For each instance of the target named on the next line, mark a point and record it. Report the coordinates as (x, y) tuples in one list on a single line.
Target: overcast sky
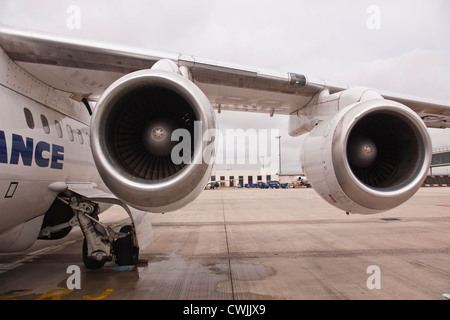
[(397, 46)]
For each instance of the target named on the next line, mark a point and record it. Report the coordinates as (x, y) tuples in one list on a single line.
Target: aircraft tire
[(126, 253)]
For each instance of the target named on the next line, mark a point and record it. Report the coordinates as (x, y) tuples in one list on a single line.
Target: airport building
[(438, 175), (440, 163), (236, 177)]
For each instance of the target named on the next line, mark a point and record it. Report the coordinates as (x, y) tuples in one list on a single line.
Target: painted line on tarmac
[(37, 254)]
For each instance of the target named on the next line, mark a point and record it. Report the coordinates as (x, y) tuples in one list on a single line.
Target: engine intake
[(371, 157), (131, 133)]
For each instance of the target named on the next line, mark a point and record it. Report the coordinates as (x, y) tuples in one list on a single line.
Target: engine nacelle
[(371, 157), (131, 134)]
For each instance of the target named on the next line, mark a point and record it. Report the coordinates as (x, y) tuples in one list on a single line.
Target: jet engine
[(371, 157), (147, 139)]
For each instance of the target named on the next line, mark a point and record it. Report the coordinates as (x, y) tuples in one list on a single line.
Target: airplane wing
[(367, 151), (86, 69)]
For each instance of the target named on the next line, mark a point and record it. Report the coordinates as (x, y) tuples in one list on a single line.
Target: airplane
[(87, 125)]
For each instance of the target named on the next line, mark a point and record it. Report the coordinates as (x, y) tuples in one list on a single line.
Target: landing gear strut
[(102, 243)]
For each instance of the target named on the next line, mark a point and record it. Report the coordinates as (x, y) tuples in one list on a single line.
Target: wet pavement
[(240, 244)]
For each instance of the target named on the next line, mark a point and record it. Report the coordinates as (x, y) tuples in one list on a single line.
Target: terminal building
[(240, 177), (439, 173), (440, 163)]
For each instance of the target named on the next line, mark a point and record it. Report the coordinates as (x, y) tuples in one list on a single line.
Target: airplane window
[(58, 129), (45, 125), (69, 132), (80, 137), (29, 118)]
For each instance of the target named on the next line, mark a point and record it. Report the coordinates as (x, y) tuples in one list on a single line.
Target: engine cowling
[(131, 134), (371, 157)]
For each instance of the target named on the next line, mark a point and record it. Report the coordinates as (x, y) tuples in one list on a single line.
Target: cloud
[(419, 72)]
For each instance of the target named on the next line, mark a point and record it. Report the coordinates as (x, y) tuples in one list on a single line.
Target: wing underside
[(85, 69)]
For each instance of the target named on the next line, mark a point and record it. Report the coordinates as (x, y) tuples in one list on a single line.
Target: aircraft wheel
[(126, 252)]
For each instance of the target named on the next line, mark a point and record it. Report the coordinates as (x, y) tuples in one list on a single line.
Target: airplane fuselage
[(44, 138)]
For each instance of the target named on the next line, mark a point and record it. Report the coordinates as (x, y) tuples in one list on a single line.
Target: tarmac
[(253, 244)]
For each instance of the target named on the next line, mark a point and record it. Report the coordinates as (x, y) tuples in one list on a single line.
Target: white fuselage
[(44, 138)]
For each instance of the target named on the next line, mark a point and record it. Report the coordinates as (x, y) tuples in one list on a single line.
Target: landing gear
[(102, 243), (123, 249), (90, 263)]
